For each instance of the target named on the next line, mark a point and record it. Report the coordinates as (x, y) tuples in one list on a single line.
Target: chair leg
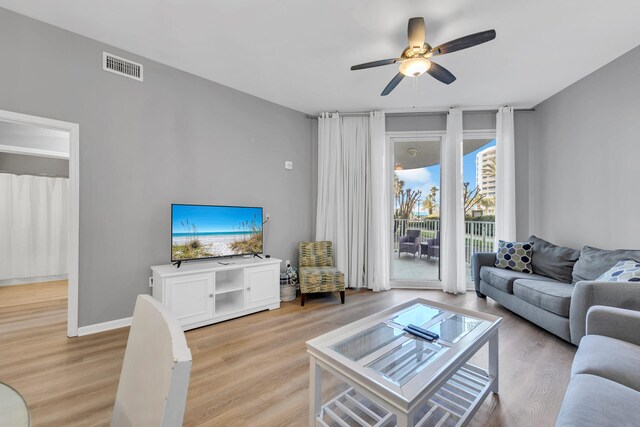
[(301, 299), (342, 297)]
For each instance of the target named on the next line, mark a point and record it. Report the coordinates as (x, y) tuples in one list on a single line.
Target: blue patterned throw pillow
[(514, 256), (624, 271)]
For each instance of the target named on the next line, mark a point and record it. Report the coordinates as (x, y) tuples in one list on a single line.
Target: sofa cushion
[(503, 279), (624, 271), (595, 401), (553, 261), (514, 256), (609, 358), (595, 262), (548, 295)]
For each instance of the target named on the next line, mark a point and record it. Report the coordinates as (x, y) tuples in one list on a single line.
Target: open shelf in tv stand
[(206, 292)]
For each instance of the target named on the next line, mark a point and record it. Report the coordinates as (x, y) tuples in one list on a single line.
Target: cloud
[(414, 175), (418, 179)]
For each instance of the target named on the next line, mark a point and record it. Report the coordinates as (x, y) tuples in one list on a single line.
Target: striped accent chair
[(317, 273)]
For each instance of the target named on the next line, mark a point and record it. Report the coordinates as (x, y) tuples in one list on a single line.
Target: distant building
[(486, 181)]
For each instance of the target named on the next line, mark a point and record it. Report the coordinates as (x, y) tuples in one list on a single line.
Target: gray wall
[(480, 120), (583, 168), (172, 138), (20, 164), (523, 123)]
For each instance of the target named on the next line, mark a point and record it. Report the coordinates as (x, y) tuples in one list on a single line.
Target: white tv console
[(206, 292)]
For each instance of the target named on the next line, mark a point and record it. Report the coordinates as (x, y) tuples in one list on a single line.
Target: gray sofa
[(561, 289), (605, 379)]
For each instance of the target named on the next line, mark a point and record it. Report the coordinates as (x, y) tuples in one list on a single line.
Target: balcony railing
[(478, 234)]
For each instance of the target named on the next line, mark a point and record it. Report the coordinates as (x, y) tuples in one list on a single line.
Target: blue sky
[(425, 178), (214, 218)]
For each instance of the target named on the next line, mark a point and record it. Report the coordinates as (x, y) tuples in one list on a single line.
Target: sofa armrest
[(480, 259), (586, 294), (614, 322)]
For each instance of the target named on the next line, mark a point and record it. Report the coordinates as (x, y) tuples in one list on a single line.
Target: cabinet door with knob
[(190, 298), (262, 285)]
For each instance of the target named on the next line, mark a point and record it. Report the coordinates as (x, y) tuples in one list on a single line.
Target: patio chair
[(317, 273), (433, 247), (409, 243)]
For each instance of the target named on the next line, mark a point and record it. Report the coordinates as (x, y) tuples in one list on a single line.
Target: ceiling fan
[(416, 58)]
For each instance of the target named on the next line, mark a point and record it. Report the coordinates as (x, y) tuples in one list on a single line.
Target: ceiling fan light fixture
[(415, 67)]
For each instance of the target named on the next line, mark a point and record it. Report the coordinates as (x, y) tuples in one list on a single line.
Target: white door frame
[(74, 200), (393, 137)]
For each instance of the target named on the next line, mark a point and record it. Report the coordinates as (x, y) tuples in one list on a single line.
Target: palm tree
[(430, 202)]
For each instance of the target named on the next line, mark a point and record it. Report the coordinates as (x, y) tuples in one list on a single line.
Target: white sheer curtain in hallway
[(33, 226), (351, 190)]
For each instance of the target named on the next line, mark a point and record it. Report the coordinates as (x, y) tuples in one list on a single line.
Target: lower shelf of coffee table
[(452, 405)]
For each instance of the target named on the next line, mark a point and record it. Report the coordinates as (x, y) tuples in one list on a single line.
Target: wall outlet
[(288, 165), (151, 282), (287, 263), (267, 216)]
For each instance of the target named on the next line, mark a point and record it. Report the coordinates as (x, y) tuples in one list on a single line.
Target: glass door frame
[(395, 136), (476, 134), (392, 138)]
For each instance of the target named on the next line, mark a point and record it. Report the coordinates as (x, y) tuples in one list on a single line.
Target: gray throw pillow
[(594, 262), (553, 261)]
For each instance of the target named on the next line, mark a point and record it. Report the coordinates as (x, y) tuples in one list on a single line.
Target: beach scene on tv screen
[(215, 231)]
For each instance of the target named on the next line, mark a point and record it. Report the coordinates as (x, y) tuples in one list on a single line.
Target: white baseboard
[(30, 280), (105, 326)]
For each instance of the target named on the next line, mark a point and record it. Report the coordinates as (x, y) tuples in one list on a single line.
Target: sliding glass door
[(479, 177), (415, 258), (416, 205)]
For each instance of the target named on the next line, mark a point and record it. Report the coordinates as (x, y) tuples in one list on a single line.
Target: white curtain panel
[(452, 233), (34, 224), (505, 176), (345, 151), (329, 224), (378, 207), (355, 153)]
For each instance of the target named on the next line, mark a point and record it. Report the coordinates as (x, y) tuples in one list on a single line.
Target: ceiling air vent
[(121, 66)]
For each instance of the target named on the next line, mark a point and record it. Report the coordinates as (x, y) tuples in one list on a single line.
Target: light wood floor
[(253, 371)]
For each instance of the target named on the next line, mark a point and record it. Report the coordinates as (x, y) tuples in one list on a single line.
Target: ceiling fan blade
[(440, 73), (392, 84), (464, 42), (374, 64), (416, 32)]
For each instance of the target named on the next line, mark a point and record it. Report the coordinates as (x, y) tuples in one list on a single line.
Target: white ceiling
[(297, 53)]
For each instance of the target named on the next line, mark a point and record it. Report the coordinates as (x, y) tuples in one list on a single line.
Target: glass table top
[(404, 355)]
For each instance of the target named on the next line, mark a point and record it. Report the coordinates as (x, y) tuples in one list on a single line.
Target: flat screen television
[(207, 231)]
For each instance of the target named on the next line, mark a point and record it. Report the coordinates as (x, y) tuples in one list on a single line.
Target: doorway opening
[(39, 212)]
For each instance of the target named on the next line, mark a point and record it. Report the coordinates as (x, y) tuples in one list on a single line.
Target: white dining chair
[(152, 391)]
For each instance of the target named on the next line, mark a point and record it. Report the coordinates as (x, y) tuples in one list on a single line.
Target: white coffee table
[(395, 378)]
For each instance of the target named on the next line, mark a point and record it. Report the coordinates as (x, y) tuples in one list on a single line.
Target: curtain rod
[(417, 113)]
